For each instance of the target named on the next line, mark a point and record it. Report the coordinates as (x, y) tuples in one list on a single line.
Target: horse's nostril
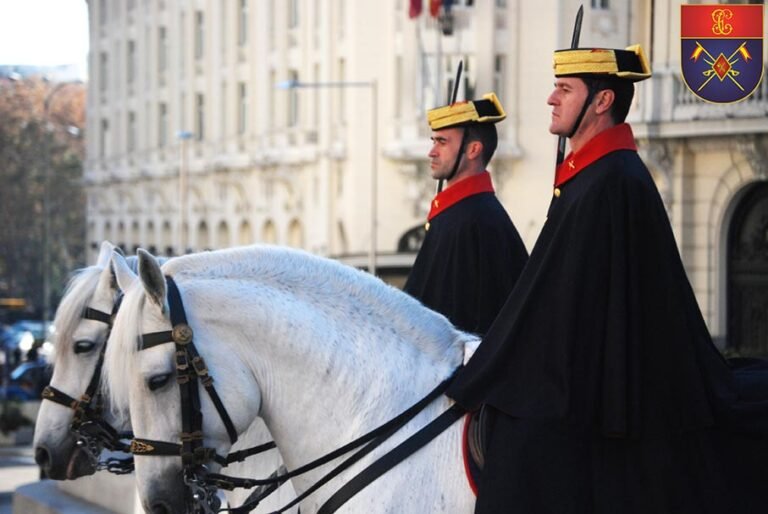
[(42, 457), (160, 508)]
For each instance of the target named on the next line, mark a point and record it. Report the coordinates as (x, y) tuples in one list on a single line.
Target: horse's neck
[(336, 371)]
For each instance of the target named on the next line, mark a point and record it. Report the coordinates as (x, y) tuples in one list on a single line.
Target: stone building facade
[(214, 123)]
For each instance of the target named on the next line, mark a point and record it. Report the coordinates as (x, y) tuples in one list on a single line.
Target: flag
[(434, 7), (415, 9)]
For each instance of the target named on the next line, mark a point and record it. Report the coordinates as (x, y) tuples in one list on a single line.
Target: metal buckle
[(199, 364), (182, 362)]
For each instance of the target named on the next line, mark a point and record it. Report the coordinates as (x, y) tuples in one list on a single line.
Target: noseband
[(92, 431)]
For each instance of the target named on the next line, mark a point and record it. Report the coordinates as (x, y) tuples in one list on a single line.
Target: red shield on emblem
[(722, 50)]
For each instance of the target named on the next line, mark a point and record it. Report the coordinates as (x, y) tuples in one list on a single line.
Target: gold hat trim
[(461, 113), (599, 61)]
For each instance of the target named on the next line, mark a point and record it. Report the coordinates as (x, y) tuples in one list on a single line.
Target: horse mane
[(78, 292), (302, 273), (320, 280)]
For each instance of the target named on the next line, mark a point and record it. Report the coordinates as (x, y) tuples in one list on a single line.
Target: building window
[(162, 125), (199, 34), (183, 111), (340, 93), (103, 71), (182, 37), (271, 105), (223, 111), (498, 74), (342, 14), (103, 12), (293, 100), (224, 31), (397, 100), (104, 139), (293, 14), (601, 4), (162, 49), (242, 23), (242, 108), (130, 61), (199, 116), (131, 131), (271, 27)]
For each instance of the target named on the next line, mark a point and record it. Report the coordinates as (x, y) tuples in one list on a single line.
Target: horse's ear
[(105, 253), (151, 277), (121, 272)]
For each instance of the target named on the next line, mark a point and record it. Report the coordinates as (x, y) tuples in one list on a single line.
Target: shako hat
[(629, 64), (486, 110)]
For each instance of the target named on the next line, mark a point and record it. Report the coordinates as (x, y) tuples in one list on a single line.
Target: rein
[(87, 423), (190, 367)]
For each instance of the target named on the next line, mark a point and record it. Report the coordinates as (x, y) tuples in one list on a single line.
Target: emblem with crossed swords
[(721, 66)]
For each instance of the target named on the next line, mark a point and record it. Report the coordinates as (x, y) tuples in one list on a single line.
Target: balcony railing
[(666, 98)]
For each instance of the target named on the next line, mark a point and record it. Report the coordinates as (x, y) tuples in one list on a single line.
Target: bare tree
[(42, 200)]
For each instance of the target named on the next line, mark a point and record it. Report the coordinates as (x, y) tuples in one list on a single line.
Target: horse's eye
[(84, 346), (158, 381)]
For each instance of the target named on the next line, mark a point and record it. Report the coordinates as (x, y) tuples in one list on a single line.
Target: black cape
[(600, 368), (468, 263)]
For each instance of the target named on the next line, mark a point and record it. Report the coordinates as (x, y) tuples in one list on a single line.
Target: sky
[(44, 32)]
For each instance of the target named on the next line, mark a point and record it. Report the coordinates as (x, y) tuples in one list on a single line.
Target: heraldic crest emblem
[(722, 50)]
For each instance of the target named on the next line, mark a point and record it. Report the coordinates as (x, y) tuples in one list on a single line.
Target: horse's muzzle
[(69, 464)]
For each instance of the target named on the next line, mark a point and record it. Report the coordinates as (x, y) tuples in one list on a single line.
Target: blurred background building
[(214, 123)]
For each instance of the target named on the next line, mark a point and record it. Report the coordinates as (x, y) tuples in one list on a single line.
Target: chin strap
[(459, 155), (590, 96)]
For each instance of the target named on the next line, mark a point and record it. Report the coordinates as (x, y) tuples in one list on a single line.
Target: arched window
[(245, 235), (295, 234)]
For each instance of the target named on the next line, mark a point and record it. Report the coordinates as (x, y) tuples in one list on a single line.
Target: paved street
[(17, 467)]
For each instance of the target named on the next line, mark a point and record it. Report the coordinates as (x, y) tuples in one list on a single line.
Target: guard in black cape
[(607, 393), (472, 254)]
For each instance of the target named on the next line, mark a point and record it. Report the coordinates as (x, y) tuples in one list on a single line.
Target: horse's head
[(82, 321), (144, 375)]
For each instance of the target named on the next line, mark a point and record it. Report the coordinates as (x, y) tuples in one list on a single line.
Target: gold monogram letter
[(719, 16)]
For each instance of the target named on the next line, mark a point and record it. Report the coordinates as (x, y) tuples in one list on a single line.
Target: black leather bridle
[(202, 485), (191, 369), (92, 431)]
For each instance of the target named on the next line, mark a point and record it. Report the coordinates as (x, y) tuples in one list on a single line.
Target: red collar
[(619, 137), (473, 185)]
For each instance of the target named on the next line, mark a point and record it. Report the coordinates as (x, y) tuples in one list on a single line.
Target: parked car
[(27, 381), (23, 336)]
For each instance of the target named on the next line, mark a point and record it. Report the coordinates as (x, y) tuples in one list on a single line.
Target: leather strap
[(392, 458)]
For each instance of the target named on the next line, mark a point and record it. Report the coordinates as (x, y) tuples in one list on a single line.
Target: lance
[(451, 102), (574, 44)]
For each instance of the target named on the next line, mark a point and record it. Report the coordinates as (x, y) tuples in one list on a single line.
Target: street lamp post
[(373, 86), (49, 130)]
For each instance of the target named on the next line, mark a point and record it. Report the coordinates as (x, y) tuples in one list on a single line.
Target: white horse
[(78, 343), (322, 352)]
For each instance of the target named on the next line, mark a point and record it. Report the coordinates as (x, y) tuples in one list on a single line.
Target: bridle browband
[(191, 367), (88, 425)]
